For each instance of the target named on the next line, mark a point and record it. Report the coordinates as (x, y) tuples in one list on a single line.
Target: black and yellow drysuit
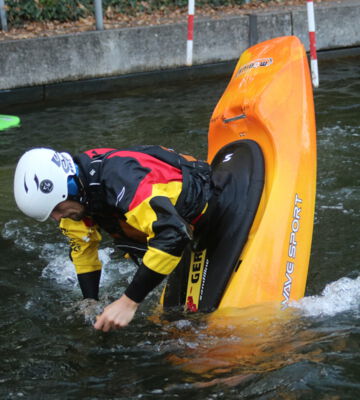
[(148, 199)]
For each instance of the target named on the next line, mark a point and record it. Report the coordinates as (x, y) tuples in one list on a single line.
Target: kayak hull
[(268, 103), (271, 87)]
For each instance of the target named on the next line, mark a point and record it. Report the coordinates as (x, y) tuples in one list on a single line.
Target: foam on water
[(62, 270), (58, 266), (25, 237), (340, 296), (327, 133)]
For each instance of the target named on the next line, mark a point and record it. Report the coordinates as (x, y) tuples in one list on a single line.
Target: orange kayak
[(262, 131)]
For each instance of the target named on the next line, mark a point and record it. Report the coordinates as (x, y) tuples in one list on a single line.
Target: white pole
[(312, 39), (99, 15), (3, 16), (190, 32)]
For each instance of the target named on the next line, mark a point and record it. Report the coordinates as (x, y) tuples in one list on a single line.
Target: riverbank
[(49, 67), (162, 16)]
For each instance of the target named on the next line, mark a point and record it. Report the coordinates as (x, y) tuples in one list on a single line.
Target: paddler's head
[(45, 185)]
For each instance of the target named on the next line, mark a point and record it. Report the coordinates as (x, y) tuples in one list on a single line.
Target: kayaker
[(148, 198)]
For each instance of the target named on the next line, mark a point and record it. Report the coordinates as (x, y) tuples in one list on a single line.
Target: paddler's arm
[(89, 284), (121, 312), (84, 238), (168, 235)]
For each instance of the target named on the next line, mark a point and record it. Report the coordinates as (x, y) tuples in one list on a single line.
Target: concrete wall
[(43, 61), (337, 25)]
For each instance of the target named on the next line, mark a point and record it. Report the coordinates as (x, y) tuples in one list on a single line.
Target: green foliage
[(128, 6), (46, 10), (19, 11)]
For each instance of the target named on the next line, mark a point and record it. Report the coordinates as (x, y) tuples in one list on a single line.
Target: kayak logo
[(290, 264), (195, 280), (228, 157), (196, 267), (260, 62)]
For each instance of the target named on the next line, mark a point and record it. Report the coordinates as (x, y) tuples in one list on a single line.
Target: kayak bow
[(271, 89), (263, 133)]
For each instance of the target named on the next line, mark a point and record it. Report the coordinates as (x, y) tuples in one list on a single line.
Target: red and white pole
[(312, 39), (190, 32)]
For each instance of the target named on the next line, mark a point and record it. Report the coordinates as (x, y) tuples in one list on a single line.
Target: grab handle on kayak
[(241, 116)]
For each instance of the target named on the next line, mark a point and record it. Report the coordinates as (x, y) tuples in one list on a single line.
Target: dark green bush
[(46, 10), (19, 11), (126, 6)]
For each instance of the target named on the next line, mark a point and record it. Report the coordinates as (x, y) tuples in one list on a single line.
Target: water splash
[(53, 250), (62, 270), (25, 237), (340, 296)]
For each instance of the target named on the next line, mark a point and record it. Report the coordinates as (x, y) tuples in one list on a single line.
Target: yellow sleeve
[(84, 243), (166, 231)]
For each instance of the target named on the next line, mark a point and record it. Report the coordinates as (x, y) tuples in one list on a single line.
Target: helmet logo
[(62, 161), (46, 186)]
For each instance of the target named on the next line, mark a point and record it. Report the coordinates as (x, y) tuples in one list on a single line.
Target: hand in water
[(116, 315), (89, 308)]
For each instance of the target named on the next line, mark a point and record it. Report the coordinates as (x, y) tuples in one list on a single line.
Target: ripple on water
[(47, 350)]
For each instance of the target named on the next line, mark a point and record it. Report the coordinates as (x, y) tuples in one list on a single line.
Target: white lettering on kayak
[(290, 264)]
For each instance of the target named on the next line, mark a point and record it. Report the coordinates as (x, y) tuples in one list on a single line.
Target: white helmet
[(40, 181)]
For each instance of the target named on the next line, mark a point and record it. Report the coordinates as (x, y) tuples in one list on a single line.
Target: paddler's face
[(68, 209)]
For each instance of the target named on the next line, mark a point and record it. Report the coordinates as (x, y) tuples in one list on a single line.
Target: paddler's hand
[(117, 314)]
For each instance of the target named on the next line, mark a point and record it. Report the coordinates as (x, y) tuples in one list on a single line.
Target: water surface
[(49, 349)]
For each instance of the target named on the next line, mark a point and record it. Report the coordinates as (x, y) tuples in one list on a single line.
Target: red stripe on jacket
[(96, 152), (160, 172)]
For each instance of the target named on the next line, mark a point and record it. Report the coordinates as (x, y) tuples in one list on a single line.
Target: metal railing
[(3, 19), (99, 15)]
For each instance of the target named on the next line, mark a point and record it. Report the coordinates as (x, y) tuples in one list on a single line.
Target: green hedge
[(46, 10), (19, 11)]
